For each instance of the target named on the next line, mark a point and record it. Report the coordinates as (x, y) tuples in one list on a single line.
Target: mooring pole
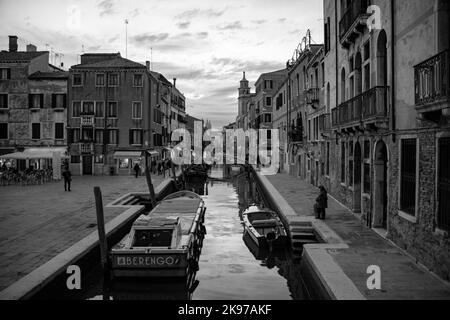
[(150, 186), (101, 228)]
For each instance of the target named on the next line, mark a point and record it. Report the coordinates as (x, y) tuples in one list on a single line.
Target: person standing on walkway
[(136, 169), (322, 203), (67, 175)]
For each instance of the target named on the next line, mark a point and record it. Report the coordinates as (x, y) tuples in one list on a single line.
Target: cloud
[(106, 7), (134, 13), (231, 26), (183, 25), (254, 66), (190, 14), (147, 37), (112, 39), (282, 20), (259, 21)]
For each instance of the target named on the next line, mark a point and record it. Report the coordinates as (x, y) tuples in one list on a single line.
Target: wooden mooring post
[(101, 229), (151, 189)]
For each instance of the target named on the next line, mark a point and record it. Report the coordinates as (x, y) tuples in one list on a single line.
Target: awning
[(153, 153), (37, 153), (127, 154)]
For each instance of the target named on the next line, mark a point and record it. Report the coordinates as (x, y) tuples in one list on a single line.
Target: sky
[(205, 44)]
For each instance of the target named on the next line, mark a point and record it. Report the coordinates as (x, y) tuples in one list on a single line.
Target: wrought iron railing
[(312, 95), (296, 134), (354, 10), (432, 79), (370, 104)]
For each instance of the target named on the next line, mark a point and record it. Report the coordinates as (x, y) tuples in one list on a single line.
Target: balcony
[(312, 96), (86, 147), (296, 134), (368, 109), (432, 83), (353, 22), (324, 123), (87, 121)]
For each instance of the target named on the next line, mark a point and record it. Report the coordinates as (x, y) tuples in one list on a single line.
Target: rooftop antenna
[(126, 38)]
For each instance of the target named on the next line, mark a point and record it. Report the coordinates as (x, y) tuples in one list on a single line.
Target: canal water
[(230, 267)]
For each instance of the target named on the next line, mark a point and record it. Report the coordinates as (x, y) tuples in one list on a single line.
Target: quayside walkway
[(401, 277)]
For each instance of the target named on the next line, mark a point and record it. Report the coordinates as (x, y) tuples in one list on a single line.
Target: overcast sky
[(205, 44)]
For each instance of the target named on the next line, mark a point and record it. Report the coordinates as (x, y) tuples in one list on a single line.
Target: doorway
[(380, 191), (357, 191), (87, 165)]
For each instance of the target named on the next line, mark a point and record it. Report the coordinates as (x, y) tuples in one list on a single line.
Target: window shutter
[(142, 136), (117, 137), (30, 101), (8, 76), (53, 100), (65, 101), (42, 100)]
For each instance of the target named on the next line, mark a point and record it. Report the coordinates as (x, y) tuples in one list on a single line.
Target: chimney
[(175, 82), (13, 44), (31, 48), (147, 64)]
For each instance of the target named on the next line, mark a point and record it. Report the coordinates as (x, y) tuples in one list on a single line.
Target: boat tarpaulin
[(37, 153), (127, 154), (153, 153)]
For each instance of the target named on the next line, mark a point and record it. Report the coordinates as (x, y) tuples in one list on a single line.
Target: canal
[(231, 267)]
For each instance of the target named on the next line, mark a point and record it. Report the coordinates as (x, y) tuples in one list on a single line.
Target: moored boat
[(264, 227), (165, 243)]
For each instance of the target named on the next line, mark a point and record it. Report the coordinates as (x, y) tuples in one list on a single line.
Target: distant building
[(33, 106)]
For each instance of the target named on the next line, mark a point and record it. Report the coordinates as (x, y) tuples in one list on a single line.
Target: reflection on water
[(232, 267)]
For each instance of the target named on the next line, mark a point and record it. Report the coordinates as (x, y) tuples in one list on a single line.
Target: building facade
[(33, 109), (111, 115)]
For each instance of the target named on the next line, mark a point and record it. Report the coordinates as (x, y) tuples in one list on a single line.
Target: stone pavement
[(401, 277), (39, 222)]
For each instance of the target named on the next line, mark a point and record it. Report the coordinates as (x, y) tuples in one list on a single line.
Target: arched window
[(343, 85)]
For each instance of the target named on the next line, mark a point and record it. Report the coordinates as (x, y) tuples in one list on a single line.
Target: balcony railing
[(87, 121), (432, 79), (352, 13), (312, 95), (86, 147), (372, 104)]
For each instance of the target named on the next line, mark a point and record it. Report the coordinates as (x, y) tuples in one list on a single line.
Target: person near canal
[(136, 169), (322, 203), (67, 175)]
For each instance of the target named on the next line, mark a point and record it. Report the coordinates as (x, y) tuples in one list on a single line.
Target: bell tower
[(244, 89)]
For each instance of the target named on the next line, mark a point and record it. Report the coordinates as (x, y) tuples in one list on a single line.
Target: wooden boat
[(264, 227), (165, 243)]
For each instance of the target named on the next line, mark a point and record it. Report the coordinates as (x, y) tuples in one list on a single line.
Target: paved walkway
[(39, 222), (401, 277)]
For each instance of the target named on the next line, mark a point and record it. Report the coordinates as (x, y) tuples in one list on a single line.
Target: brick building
[(33, 110)]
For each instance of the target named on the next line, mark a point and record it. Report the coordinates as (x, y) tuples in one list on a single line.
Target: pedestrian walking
[(67, 175), (321, 203), (136, 169)]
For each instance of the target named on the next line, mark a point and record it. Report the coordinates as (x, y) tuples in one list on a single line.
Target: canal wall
[(324, 279), (51, 276)]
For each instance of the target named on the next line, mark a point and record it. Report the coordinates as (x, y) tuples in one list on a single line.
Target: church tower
[(244, 89)]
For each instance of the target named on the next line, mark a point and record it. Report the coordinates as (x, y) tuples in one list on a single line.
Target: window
[(75, 159), (367, 150), (367, 77), (267, 118), (59, 101), (35, 131), (36, 101), (268, 101), (137, 110), (408, 176), (367, 51), (99, 136), (136, 137), (98, 159), (327, 36), (113, 80), (59, 131), (137, 80), (366, 188), (77, 80), (87, 134), (76, 109), (157, 115), (4, 131), (443, 192), (343, 162), (100, 80), (328, 159), (113, 136), (5, 73), (75, 136), (112, 110), (88, 108), (3, 101), (99, 109)]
